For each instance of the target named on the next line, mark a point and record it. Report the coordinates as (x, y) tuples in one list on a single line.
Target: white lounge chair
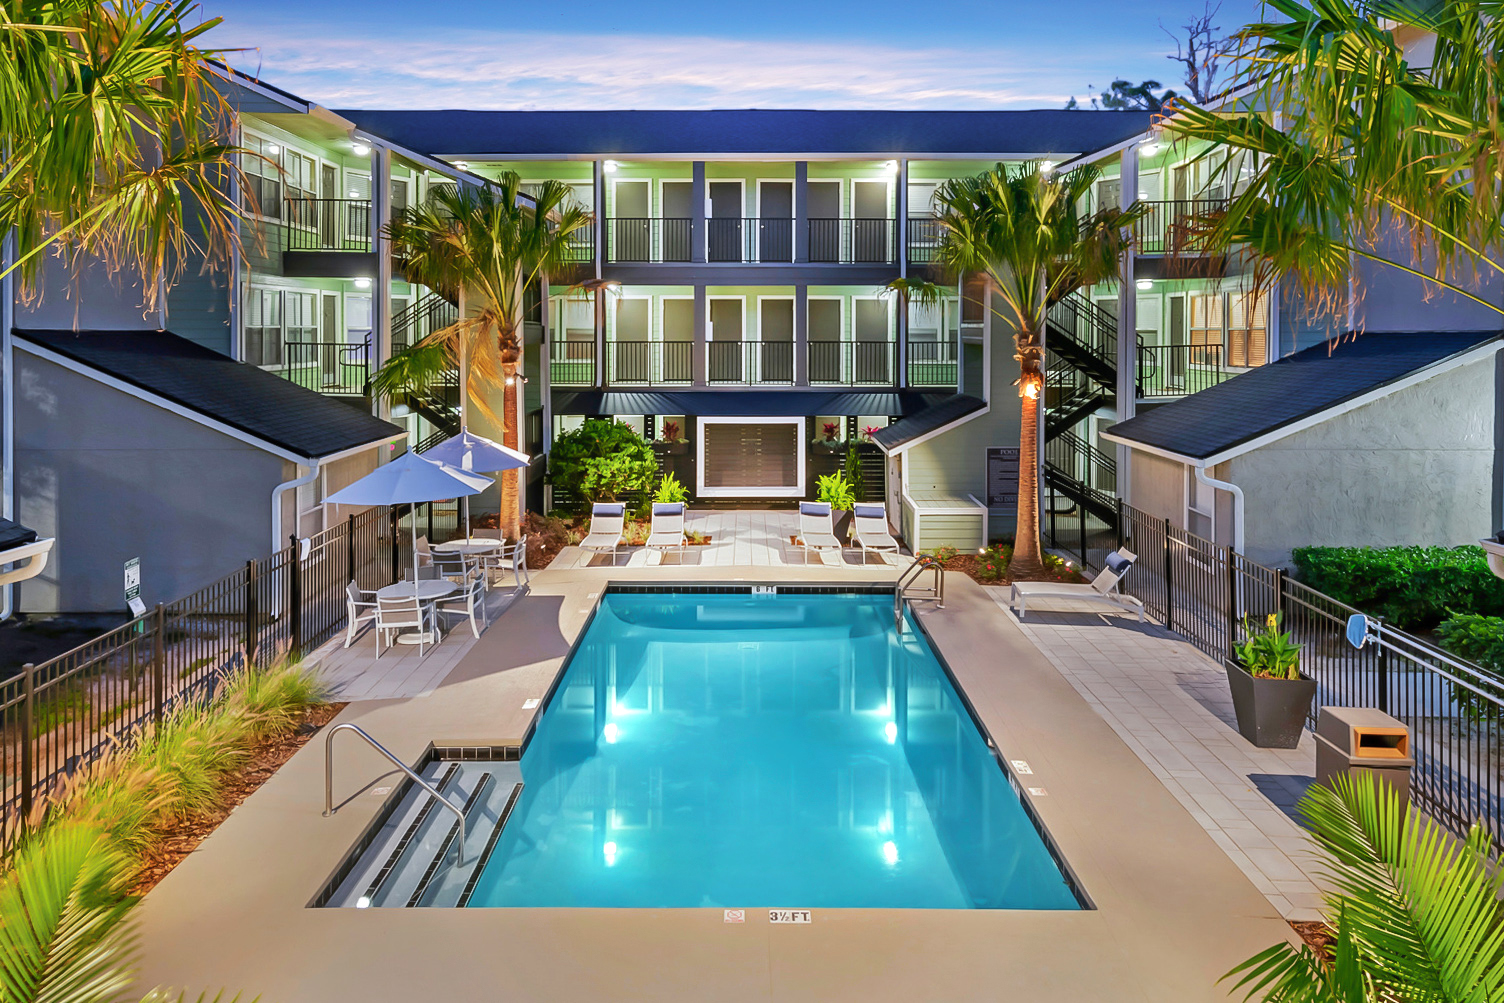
[(356, 599), (393, 616), (667, 531), (1101, 589), (870, 530), (468, 604), (607, 521), (817, 528)]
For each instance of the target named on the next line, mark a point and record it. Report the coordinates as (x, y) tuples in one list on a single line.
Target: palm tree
[(1024, 233), (114, 137), (1416, 916), (1372, 156), (483, 248)]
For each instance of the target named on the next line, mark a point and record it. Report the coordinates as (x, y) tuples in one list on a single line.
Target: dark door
[(825, 341), (677, 219), (631, 237), (871, 230), (775, 222), (329, 188), (725, 222), (678, 340), (724, 350), (824, 221), (775, 340)]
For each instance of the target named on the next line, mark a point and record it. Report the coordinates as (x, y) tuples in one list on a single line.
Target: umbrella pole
[(415, 548)]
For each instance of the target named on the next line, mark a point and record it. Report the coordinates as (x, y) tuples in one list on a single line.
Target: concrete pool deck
[(1172, 914)]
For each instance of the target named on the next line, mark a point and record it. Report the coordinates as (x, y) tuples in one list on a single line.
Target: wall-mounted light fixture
[(463, 165), (362, 282), (1145, 285), (1046, 166), (360, 149), (610, 166)]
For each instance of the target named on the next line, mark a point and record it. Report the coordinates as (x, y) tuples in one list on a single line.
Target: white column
[(902, 202), (381, 282), (1127, 388)]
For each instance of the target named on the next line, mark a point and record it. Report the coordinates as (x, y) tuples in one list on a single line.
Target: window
[(262, 164), (1206, 329), (1247, 334), (1200, 506), (301, 321), (263, 327)]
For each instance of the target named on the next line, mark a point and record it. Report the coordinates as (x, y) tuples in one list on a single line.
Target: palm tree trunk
[(1028, 558), (511, 520)]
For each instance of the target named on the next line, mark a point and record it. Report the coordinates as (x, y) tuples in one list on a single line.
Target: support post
[(1383, 667), (1169, 583), (1232, 600), (350, 548), (697, 213), (28, 736), (1081, 514), (801, 211), (396, 551), (1120, 534), (250, 611), (1127, 360), (295, 599), (159, 664)]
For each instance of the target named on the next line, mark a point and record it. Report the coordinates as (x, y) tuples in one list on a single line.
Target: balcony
[(1178, 370), (327, 238), (749, 362), (571, 363), (640, 239), (932, 363), (1163, 228), (852, 363), (924, 239), (650, 362), (330, 367), (853, 241), (750, 241)]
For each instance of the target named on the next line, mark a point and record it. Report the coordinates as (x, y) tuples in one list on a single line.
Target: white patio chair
[(450, 565), (607, 522), (396, 615), (425, 558), (667, 531), (506, 557), (870, 524), (355, 601), (468, 604), (817, 529), (1101, 589)]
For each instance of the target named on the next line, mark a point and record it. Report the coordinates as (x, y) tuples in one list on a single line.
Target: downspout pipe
[(313, 471), (7, 406), (1202, 477)]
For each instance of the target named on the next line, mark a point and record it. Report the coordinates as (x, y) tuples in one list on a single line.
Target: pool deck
[(1173, 912)]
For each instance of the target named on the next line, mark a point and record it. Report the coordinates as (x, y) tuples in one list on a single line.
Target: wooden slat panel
[(751, 456)]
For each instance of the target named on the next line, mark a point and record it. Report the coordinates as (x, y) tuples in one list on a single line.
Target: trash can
[(1356, 740)]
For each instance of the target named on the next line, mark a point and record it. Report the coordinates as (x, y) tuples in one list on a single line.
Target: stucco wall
[(114, 477), (1415, 467), (1158, 487)]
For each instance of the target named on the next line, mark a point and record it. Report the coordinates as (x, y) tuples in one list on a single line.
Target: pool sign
[(133, 587), (1002, 476), (789, 916)]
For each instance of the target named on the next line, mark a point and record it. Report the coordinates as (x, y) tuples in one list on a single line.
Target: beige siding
[(1158, 487), (964, 532)]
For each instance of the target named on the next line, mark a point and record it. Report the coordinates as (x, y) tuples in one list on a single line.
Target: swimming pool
[(739, 750)]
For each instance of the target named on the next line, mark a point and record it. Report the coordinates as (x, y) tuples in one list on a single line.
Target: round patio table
[(427, 590), (470, 546)]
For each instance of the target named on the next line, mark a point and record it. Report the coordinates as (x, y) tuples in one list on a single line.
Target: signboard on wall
[(1002, 476), (133, 587)]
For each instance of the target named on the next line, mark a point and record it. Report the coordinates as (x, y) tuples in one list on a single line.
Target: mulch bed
[(971, 565), (1318, 936), (183, 838)]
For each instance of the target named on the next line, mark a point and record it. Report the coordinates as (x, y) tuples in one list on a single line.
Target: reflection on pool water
[(743, 751)]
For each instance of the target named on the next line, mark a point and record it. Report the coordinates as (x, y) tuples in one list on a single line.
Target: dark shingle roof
[(753, 403), (942, 413), (256, 402), (751, 131), (1298, 386)]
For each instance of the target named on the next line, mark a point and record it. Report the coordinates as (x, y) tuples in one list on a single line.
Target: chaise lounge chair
[(817, 528), (1101, 589), (607, 521), (871, 530), (667, 531)]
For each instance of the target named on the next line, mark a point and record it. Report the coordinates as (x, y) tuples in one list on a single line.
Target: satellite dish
[(1357, 630)]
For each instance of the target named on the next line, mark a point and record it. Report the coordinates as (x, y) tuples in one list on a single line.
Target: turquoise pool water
[(749, 751)]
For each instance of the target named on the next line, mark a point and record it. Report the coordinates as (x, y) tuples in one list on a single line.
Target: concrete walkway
[(1170, 704)]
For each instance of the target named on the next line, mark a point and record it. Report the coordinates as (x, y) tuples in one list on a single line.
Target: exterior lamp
[(1145, 285), (463, 165), (1046, 166), (1149, 149), (361, 150), (1029, 385), (362, 283), (890, 167), (610, 167)]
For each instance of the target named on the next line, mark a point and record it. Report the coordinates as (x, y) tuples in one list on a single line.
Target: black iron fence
[(634, 239), (328, 224), (328, 367), (852, 363), (749, 240), (571, 363), (932, 363), (853, 241), (1177, 370), (650, 361), (60, 715), (1209, 593), (924, 239), (1168, 227), (749, 361)]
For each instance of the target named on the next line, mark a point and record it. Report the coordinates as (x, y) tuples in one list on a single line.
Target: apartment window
[(262, 165), (1200, 506), (301, 320), (1247, 332), (263, 327), (1206, 329), (301, 173)]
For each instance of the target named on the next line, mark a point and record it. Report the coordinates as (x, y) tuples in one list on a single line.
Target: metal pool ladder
[(424, 784), (906, 587)]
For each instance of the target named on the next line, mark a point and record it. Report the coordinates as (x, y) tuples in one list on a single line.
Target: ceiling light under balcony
[(360, 150), (1145, 285), (890, 167), (463, 165), (1046, 166), (1149, 149), (362, 283), (610, 166)]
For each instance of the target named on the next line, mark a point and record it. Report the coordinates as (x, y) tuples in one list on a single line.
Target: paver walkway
[(738, 538), (1171, 705)]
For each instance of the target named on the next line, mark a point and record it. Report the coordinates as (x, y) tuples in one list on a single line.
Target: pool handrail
[(424, 784), (922, 563)]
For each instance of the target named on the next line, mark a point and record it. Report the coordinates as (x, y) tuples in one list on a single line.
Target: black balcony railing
[(749, 362), (932, 363), (924, 239), (1177, 370), (749, 240), (328, 224), (633, 239), (1166, 227), (852, 363), (650, 361), (328, 367), (571, 363), (853, 241), (579, 246), (427, 315)]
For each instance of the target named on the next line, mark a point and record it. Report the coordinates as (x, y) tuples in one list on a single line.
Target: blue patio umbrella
[(408, 480), (477, 454)]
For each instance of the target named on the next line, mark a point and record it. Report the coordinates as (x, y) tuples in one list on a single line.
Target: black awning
[(752, 403)]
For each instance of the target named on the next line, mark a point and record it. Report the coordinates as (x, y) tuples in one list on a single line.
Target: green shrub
[(1410, 587), (835, 491), (1266, 651), (602, 460), (854, 472), (1478, 639), (993, 562), (670, 490), (942, 554)]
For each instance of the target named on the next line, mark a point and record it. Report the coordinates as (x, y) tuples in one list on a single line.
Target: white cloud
[(527, 70)]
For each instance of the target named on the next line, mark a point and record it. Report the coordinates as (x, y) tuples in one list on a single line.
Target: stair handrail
[(424, 784), (922, 563)]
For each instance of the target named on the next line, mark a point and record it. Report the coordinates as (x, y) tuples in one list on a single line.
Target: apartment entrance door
[(824, 220), (775, 221), (724, 350), (329, 189), (631, 233), (330, 340), (677, 219), (725, 222), (870, 229)]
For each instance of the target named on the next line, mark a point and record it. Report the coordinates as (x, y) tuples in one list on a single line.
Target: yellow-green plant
[(1416, 915), (835, 491), (670, 490), (1267, 651)]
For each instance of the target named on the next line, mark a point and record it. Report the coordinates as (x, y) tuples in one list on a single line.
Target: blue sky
[(673, 54)]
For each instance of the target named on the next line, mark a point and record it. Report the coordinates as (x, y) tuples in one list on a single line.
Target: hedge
[(1410, 587)]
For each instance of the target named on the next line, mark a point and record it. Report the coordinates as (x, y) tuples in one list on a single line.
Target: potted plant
[(829, 437), (835, 491), (671, 440), (1269, 696)]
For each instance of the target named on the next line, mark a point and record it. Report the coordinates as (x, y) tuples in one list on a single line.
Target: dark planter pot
[(1271, 712), (671, 448), (842, 521)]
